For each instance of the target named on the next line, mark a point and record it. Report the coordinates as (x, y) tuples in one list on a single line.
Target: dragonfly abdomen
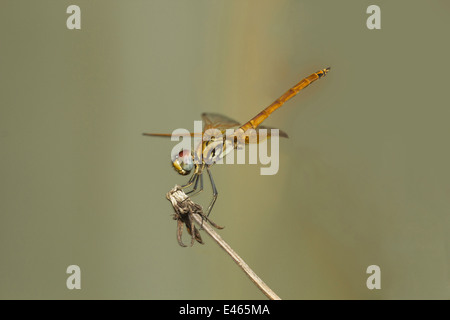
[(263, 115)]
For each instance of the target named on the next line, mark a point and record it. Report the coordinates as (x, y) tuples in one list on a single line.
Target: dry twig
[(188, 212)]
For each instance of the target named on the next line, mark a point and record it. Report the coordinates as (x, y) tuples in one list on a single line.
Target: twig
[(185, 207), (239, 261)]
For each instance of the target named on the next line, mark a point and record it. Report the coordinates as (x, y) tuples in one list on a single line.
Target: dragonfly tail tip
[(323, 72)]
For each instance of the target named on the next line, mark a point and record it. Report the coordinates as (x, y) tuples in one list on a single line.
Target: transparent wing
[(281, 133), (218, 121), (169, 135), (260, 137)]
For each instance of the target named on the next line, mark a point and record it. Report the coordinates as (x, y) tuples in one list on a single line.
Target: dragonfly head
[(183, 162)]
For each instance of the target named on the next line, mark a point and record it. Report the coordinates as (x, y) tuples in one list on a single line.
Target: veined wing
[(281, 133), (210, 121), (221, 122), (249, 139), (168, 135), (218, 121)]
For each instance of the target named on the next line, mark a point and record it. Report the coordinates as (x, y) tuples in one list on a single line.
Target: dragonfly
[(210, 149)]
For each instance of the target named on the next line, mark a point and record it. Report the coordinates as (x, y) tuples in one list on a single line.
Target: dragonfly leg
[(191, 181), (194, 177), (194, 191), (215, 193), (195, 185)]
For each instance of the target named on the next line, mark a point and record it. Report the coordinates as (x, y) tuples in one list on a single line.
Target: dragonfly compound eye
[(183, 162)]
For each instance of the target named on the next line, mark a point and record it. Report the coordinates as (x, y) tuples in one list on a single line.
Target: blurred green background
[(363, 178)]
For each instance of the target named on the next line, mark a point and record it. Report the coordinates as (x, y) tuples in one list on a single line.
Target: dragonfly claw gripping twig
[(188, 212), (185, 210)]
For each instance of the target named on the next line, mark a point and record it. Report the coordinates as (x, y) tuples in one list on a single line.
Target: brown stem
[(239, 261), (181, 204)]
